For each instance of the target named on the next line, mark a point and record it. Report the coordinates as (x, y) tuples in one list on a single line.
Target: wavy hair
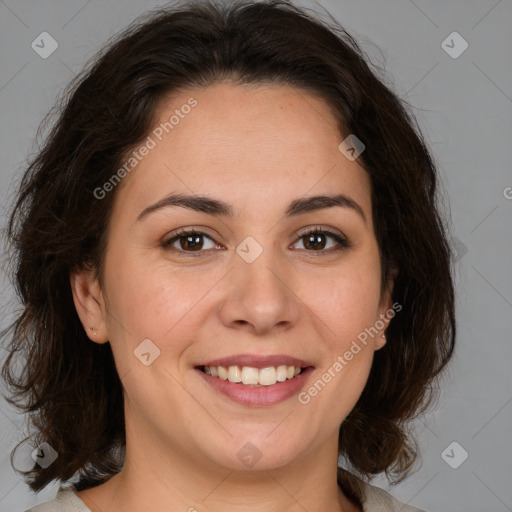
[(69, 386)]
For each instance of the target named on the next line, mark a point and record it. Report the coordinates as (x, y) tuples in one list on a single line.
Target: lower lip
[(258, 396)]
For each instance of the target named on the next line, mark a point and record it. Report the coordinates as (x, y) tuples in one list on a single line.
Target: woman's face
[(249, 285)]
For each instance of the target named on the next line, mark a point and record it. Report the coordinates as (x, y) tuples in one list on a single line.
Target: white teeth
[(254, 376), (267, 376), (223, 374), (281, 373), (249, 375), (234, 374)]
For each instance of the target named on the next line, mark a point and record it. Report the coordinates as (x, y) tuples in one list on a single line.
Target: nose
[(259, 297)]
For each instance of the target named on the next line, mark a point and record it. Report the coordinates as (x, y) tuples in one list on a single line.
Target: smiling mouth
[(253, 377)]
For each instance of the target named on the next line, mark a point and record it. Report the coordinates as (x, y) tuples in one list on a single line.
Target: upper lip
[(257, 361)]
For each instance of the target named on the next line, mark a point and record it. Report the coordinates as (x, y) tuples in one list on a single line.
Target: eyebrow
[(219, 208)]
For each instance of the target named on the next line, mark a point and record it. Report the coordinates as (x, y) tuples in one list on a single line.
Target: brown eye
[(191, 242), (188, 241), (316, 240)]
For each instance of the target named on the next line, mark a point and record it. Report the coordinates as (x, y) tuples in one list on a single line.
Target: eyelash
[(183, 232)]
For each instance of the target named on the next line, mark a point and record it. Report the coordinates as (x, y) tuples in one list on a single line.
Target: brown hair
[(68, 385)]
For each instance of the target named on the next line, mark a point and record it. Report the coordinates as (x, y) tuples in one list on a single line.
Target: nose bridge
[(260, 293)]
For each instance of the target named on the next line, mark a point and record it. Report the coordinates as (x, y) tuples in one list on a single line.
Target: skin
[(257, 148)]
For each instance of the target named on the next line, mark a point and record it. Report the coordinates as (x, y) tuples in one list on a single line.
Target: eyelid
[(194, 230), (318, 228)]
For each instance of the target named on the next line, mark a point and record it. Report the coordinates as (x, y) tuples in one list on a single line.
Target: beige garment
[(375, 499)]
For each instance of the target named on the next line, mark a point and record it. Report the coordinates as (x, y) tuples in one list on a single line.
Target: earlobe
[(381, 341), (382, 322), (386, 310), (89, 304)]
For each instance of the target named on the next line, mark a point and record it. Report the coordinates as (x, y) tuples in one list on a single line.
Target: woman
[(233, 271)]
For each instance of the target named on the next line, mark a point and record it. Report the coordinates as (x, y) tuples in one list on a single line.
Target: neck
[(157, 476)]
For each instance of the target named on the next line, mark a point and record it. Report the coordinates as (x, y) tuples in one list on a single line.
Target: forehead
[(270, 144)]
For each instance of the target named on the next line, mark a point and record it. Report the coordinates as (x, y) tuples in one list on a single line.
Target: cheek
[(347, 314), (348, 300), (150, 299)]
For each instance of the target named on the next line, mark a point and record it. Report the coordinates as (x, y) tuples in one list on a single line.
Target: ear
[(89, 304), (386, 309)]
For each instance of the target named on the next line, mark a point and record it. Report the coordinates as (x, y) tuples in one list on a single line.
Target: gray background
[(464, 108)]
